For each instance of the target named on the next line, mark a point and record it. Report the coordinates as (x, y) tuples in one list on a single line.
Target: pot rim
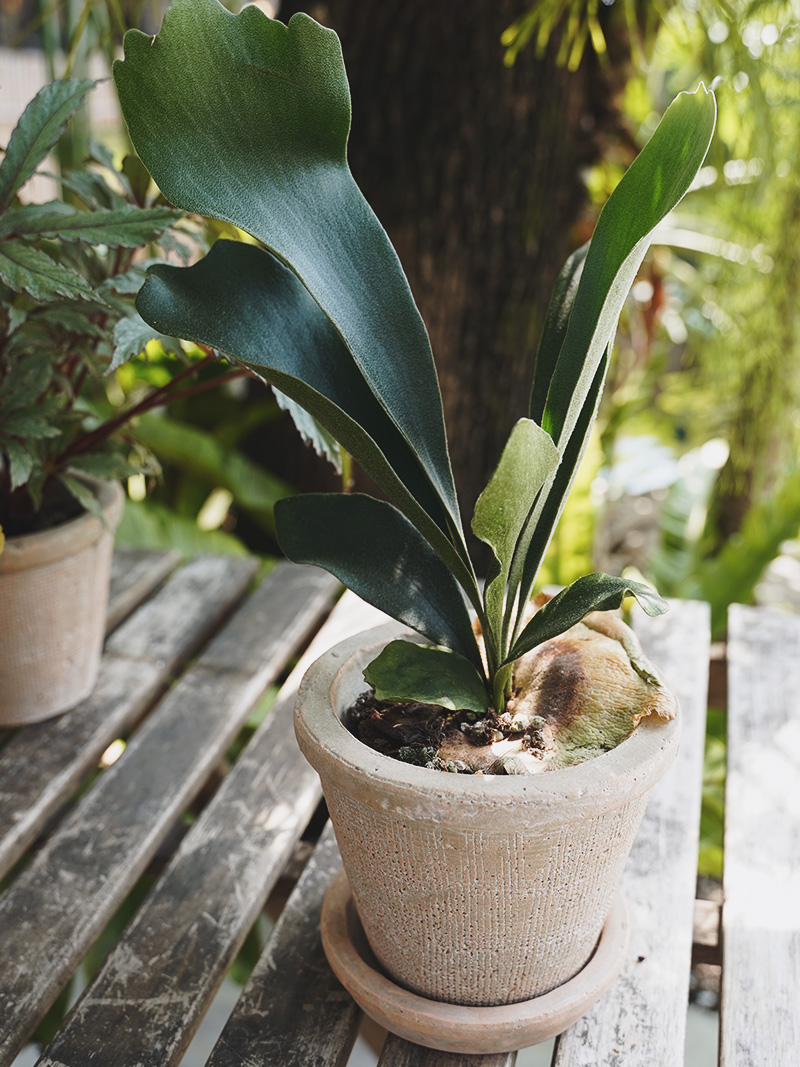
[(329, 688), (46, 546)]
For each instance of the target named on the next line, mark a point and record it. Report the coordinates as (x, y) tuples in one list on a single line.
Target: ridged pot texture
[(53, 601), (474, 889)]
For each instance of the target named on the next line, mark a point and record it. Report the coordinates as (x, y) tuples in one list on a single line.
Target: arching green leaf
[(555, 329), (376, 552), (242, 301), (652, 186), (246, 120), (593, 592)]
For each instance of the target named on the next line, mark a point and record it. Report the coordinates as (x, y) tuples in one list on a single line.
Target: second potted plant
[(246, 120), (68, 276)]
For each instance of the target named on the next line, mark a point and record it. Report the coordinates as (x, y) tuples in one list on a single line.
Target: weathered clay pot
[(53, 600), (474, 890)]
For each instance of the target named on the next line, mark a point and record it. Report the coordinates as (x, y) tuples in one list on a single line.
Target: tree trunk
[(474, 170)]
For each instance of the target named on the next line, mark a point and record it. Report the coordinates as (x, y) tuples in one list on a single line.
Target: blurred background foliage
[(692, 479), (699, 482)]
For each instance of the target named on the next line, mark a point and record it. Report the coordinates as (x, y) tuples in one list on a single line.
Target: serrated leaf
[(378, 554), (100, 153), (73, 319), (268, 153), (82, 493), (26, 380), (16, 317), (312, 432), (40, 126), (27, 269), (90, 188), (27, 424), (528, 459), (126, 227), (16, 220), (20, 463), (131, 336), (107, 465), (405, 671), (127, 284), (593, 592)]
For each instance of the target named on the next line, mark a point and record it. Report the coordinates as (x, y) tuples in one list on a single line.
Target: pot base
[(453, 1027)]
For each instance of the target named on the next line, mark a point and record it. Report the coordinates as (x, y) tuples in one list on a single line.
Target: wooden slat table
[(191, 650)]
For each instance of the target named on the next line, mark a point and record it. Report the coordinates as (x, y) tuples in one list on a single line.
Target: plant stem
[(502, 687), (154, 399)]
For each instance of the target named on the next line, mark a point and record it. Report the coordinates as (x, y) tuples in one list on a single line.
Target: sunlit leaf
[(593, 592), (528, 459)]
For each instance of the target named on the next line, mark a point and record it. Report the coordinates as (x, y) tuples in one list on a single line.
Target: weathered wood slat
[(399, 1053), (196, 917), (642, 1020), (61, 901), (760, 1004), (294, 1012), (42, 764), (135, 573)]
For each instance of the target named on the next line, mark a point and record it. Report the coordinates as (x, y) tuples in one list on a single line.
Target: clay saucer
[(453, 1027)]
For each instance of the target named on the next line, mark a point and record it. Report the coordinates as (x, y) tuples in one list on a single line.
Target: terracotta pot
[(474, 890), (53, 600)]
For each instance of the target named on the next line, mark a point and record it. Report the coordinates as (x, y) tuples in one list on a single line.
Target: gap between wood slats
[(760, 994), (63, 899), (642, 1019), (43, 764), (293, 1011), (195, 919)]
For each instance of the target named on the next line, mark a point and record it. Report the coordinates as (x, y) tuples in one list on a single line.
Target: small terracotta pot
[(53, 601), (474, 890)]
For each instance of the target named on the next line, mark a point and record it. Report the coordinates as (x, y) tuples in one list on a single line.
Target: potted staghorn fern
[(246, 120)]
